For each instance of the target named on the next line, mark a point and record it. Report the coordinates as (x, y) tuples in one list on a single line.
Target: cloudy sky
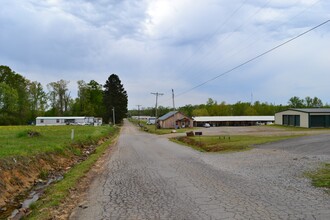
[(160, 45)]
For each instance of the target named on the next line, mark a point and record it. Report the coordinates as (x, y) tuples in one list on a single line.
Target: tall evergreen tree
[(115, 97)]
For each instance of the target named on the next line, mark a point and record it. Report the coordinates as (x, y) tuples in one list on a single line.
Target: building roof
[(63, 117), (167, 115), (233, 118), (311, 110), (308, 110)]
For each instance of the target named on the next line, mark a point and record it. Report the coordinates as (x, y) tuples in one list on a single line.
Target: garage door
[(318, 121)]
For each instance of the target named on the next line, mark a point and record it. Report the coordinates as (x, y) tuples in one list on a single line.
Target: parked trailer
[(81, 120)]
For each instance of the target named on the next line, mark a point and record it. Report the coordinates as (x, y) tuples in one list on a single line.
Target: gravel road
[(149, 177)]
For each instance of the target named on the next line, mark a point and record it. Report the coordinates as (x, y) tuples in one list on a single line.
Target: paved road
[(309, 145), (148, 177)]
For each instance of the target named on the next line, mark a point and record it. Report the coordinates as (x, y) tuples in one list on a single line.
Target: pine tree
[(115, 97)]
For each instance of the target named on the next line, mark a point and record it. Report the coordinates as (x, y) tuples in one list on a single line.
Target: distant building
[(73, 120), (142, 117), (215, 121), (304, 117), (174, 119), (151, 121)]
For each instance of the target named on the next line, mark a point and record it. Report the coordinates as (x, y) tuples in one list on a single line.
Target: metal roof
[(61, 117), (311, 110), (233, 118), (167, 115)]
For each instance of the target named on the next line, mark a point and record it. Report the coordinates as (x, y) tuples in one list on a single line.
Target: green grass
[(57, 192), (321, 177), (226, 143), (15, 141)]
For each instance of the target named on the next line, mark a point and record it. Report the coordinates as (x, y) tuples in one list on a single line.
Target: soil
[(18, 175)]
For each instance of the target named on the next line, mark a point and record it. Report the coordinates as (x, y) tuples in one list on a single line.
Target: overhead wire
[(221, 27), (235, 30), (234, 53), (254, 58), (217, 30), (258, 56)]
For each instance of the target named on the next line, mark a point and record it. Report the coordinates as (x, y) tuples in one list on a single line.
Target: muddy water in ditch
[(20, 207)]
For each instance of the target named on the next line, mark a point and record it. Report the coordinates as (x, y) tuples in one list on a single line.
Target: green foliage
[(90, 99), (21, 101), (115, 97), (59, 97), (212, 108), (308, 102)]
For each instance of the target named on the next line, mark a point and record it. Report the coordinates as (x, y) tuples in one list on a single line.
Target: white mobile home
[(73, 120)]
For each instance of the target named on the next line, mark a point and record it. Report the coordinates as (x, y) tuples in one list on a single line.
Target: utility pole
[(156, 94), (174, 125), (113, 116), (138, 113), (173, 100)]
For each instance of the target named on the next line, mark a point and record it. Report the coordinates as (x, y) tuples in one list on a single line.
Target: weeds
[(321, 177)]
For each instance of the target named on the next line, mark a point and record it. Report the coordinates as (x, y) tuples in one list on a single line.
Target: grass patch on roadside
[(226, 143), (321, 177), (57, 192)]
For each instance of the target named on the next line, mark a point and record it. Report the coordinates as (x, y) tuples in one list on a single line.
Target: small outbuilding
[(304, 117), (174, 119)]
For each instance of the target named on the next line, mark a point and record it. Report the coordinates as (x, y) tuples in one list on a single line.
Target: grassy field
[(226, 143), (15, 141), (23, 147)]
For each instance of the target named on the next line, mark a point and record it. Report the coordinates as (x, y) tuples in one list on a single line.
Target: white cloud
[(157, 45)]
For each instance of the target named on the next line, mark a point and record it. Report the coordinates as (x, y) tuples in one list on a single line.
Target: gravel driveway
[(149, 177)]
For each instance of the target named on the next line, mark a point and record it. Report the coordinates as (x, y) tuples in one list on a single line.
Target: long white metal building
[(216, 121)]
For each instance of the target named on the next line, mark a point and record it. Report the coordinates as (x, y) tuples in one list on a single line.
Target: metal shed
[(304, 117)]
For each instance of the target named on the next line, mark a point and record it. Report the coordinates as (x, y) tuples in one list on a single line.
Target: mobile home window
[(57, 120), (41, 120)]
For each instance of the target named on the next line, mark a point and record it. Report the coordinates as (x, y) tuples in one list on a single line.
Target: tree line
[(22, 100), (213, 108)]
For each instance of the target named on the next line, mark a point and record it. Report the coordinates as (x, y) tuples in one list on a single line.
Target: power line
[(254, 58), (254, 33), (235, 30), (217, 30), (156, 94)]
